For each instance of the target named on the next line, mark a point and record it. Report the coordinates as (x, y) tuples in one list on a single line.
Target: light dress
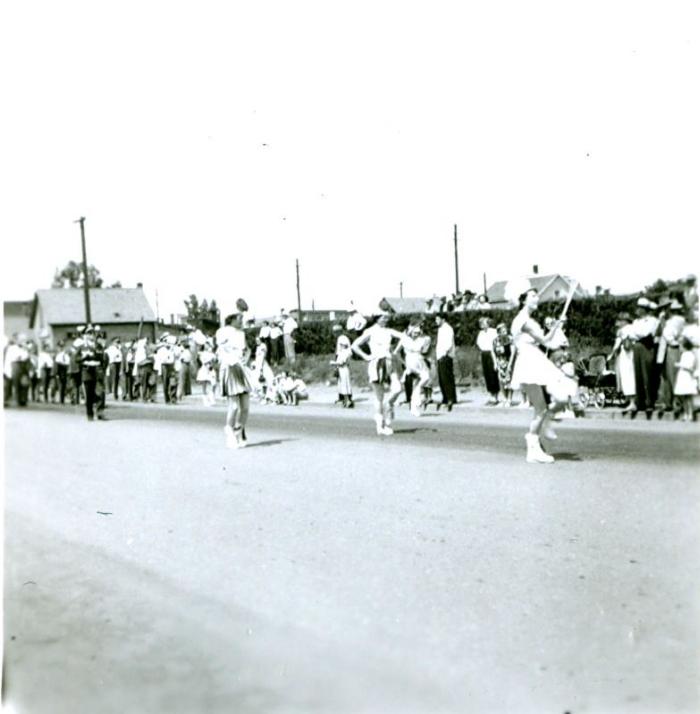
[(343, 354), (231, 351), (624, 364), (686, 381), (532, 366)]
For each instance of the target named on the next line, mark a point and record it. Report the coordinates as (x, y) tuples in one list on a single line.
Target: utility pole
[(86, 288), (298, 293), (485, 288), (456, 264), (401, 289)]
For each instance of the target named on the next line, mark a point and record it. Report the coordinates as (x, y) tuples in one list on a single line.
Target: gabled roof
[(496, 293), (407, 305), (66, 306)]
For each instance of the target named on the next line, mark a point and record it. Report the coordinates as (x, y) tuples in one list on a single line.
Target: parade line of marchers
[(536, 366)]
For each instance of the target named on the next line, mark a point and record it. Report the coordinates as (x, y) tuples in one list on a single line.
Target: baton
[(569, 298)]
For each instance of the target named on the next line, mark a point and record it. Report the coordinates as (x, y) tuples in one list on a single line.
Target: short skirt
[(234, 380), (532, 367), (382, 370)]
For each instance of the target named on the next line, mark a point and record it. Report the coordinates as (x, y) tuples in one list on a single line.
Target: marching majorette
[(233, 354), (206, 374), (533, 372), (381, 369), (92, 360)]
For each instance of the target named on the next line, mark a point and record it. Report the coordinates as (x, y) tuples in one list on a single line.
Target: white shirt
[(264, 332), (62, 357), (45, 360), (289, 325), (644, 326), (230, 345), (114, 354), (485, 338), (275, 332), (445, 345)]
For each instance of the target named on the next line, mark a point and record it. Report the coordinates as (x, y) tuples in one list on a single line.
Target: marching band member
[(416, 345)]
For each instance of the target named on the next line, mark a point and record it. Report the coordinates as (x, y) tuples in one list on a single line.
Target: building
[(16, 316), (550, 288), (405, 306), (120, 312)]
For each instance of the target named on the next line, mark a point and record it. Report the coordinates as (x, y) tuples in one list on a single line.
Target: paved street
[(325, 569)]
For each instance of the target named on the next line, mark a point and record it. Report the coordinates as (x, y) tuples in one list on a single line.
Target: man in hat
[(91, 358), (669, 353), (289, 327), (144, 364), (643, 330), (61, 365), (165, 364), (128, 367)]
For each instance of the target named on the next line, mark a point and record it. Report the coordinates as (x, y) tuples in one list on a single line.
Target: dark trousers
[(34, 386), (644, 375), (276, 350), (115, 369), (7, 389), (669, 371), (129, 382), (76, 382), (490, 374), (145, 377), (408, 386), (62, 381), (167, 372), (446, 380), (46, 383), (94, 383)]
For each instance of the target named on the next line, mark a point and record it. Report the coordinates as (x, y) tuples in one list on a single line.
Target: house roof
[(66, 306), (17, 308), (407, 305), (496, 293)]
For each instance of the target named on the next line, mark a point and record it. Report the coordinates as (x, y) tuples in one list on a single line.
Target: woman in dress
[(343, 355), (262, 372), (206, 374), (415, 346), (502, 348), (484, 341), (381, 370), (623, 356), (232, 352), (533, 373)]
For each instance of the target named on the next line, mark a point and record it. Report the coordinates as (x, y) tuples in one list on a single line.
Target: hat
[(646, 304), (241, 305), (171, 340)]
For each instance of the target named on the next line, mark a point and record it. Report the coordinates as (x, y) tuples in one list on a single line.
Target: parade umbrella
[(515, 288), (569, 298)]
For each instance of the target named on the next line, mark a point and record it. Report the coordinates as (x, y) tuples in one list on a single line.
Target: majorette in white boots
[(535, 455)]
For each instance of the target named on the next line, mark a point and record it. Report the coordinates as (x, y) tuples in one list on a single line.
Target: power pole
[(401, 289), (456, 264), (86, 288), (298, 293), (485, 288)]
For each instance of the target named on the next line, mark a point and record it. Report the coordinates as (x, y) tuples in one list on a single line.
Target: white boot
[(388, 417), (535, 455), (231, 442), (379, 421)]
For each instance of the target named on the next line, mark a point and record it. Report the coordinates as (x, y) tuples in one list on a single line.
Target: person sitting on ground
[(297, 389)]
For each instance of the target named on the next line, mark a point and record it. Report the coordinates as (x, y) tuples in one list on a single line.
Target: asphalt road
[(325, 569)]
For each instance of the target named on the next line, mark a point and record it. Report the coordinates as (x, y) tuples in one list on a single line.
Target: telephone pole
[(456, 264), (298, 293), (401, 289), (86, 287)]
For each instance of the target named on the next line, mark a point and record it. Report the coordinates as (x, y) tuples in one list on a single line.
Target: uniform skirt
[(234, 380), (533, 367)]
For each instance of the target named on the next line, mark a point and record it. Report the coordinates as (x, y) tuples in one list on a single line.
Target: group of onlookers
[(656, 356)]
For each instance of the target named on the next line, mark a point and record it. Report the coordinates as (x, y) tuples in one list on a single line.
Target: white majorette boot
[(535, 455), (388, 416), (240, 441), (379, 421)]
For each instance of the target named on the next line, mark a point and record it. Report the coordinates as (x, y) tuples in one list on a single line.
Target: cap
[(646, 304)]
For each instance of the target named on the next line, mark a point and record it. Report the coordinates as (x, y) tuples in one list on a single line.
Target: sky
[(210, 145)]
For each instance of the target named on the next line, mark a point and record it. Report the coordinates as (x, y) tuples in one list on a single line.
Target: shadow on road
[(566, 456), (415, 430), (269, 442)]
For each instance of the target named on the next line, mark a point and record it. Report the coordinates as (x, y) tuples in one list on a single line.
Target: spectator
[(61, 365), (129, 356), (45, 370), (144, 359), (115, 358), (484, 341), (686, 386), (623, 356), (206, 374), (264, 335), (668, 355), (643, 330), (183, 359), (502, 351), (276, 342), (444, 355), (343, 354), (289, 327)]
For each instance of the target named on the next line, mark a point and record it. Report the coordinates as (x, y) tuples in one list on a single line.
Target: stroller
[(597, 383)]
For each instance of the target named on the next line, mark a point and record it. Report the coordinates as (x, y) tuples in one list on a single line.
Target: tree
[(71, 276), (203, 315)]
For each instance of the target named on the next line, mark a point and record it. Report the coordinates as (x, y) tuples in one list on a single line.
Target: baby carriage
[(597, 383)]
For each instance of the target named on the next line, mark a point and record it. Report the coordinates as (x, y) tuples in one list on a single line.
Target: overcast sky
[(210, 144)]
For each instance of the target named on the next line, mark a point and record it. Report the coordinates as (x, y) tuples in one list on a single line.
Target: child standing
[(686, 386)]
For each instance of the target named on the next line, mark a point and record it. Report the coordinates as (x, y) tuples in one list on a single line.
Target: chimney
[(535, 269), (139, 285)]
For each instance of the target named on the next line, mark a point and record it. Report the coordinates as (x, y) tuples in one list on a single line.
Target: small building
[(550, 288), (16, 314), (57, 313)]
